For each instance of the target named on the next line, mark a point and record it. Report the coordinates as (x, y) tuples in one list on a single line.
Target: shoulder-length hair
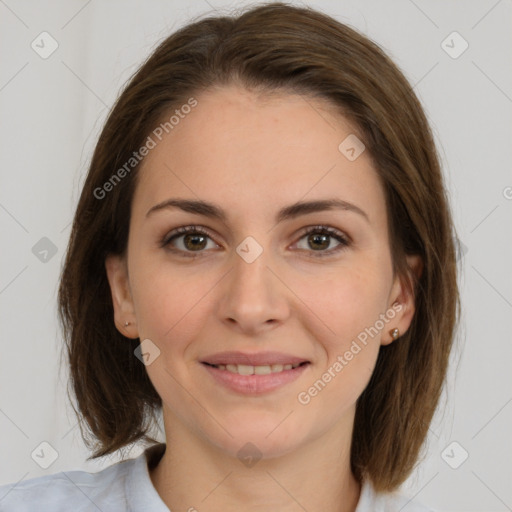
[(271, 47)]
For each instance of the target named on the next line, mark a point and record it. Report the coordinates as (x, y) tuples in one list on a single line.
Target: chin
[(259, 437)]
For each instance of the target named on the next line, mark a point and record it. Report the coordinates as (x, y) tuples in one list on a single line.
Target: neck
[(196, 475)]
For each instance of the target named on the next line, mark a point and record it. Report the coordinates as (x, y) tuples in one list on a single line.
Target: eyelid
[(343, 239), (185, 230), (325, 228)]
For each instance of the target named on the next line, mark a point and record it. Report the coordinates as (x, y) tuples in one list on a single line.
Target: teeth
[(261, 370), (245, 369)]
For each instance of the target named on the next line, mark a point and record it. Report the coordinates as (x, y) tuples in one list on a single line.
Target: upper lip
[(254, 359)]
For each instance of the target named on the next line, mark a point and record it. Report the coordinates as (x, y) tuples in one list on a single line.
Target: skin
[(252, 155)]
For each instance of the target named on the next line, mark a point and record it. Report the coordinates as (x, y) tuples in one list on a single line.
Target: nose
[(253, 298)]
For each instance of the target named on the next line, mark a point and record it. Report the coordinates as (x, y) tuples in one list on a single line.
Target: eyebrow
[(213, 211)]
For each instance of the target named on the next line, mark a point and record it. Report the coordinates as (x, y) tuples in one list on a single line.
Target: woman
[(262, 251)]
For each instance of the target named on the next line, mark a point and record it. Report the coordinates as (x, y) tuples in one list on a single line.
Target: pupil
[(319, 238), (194, 239)]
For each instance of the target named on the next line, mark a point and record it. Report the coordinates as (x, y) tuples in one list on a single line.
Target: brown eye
[(188, 239), (319, 241), (194, 242), (323, 240)]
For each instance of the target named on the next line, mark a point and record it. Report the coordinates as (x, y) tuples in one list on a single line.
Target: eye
[(319, 239), (188, 239)]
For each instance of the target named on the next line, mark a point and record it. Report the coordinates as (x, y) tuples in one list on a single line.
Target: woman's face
[(253, 289)]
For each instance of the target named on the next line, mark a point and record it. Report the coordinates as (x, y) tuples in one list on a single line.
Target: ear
[(402, 299), (124, 311)]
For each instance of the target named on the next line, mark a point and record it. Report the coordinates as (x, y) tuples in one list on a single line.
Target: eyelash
[(344, 241)]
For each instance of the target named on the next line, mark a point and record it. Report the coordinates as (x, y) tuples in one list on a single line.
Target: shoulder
[(69, 490), (372, 501)]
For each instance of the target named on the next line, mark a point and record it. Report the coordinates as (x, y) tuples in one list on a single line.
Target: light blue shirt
[(126, 487)]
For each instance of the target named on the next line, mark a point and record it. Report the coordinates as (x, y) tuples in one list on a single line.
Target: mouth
[(246, 369), (254, 374)]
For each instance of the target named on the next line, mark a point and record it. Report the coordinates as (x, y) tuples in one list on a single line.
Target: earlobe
[(404, 295), (124, 313)]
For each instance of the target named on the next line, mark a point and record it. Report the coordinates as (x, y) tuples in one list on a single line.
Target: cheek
[(349, 305), (346, 301), (168, 303)]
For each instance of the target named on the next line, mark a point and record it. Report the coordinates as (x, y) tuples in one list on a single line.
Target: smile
[(255, 380), (245, 369)]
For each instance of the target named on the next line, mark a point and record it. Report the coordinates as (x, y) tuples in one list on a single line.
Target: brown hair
[(273, 47)]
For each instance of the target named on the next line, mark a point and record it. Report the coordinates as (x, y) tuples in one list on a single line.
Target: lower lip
[(255, 384)]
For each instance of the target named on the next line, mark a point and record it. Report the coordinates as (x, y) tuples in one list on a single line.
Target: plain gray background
[(52, 110)]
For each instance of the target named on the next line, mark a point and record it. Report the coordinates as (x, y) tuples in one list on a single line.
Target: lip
[(254, 384), (253, 359)]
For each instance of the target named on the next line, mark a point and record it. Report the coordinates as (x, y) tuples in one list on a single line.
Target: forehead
[(251, 151)]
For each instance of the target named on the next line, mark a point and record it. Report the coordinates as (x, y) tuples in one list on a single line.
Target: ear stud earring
[(126, 324), (395, 333)]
